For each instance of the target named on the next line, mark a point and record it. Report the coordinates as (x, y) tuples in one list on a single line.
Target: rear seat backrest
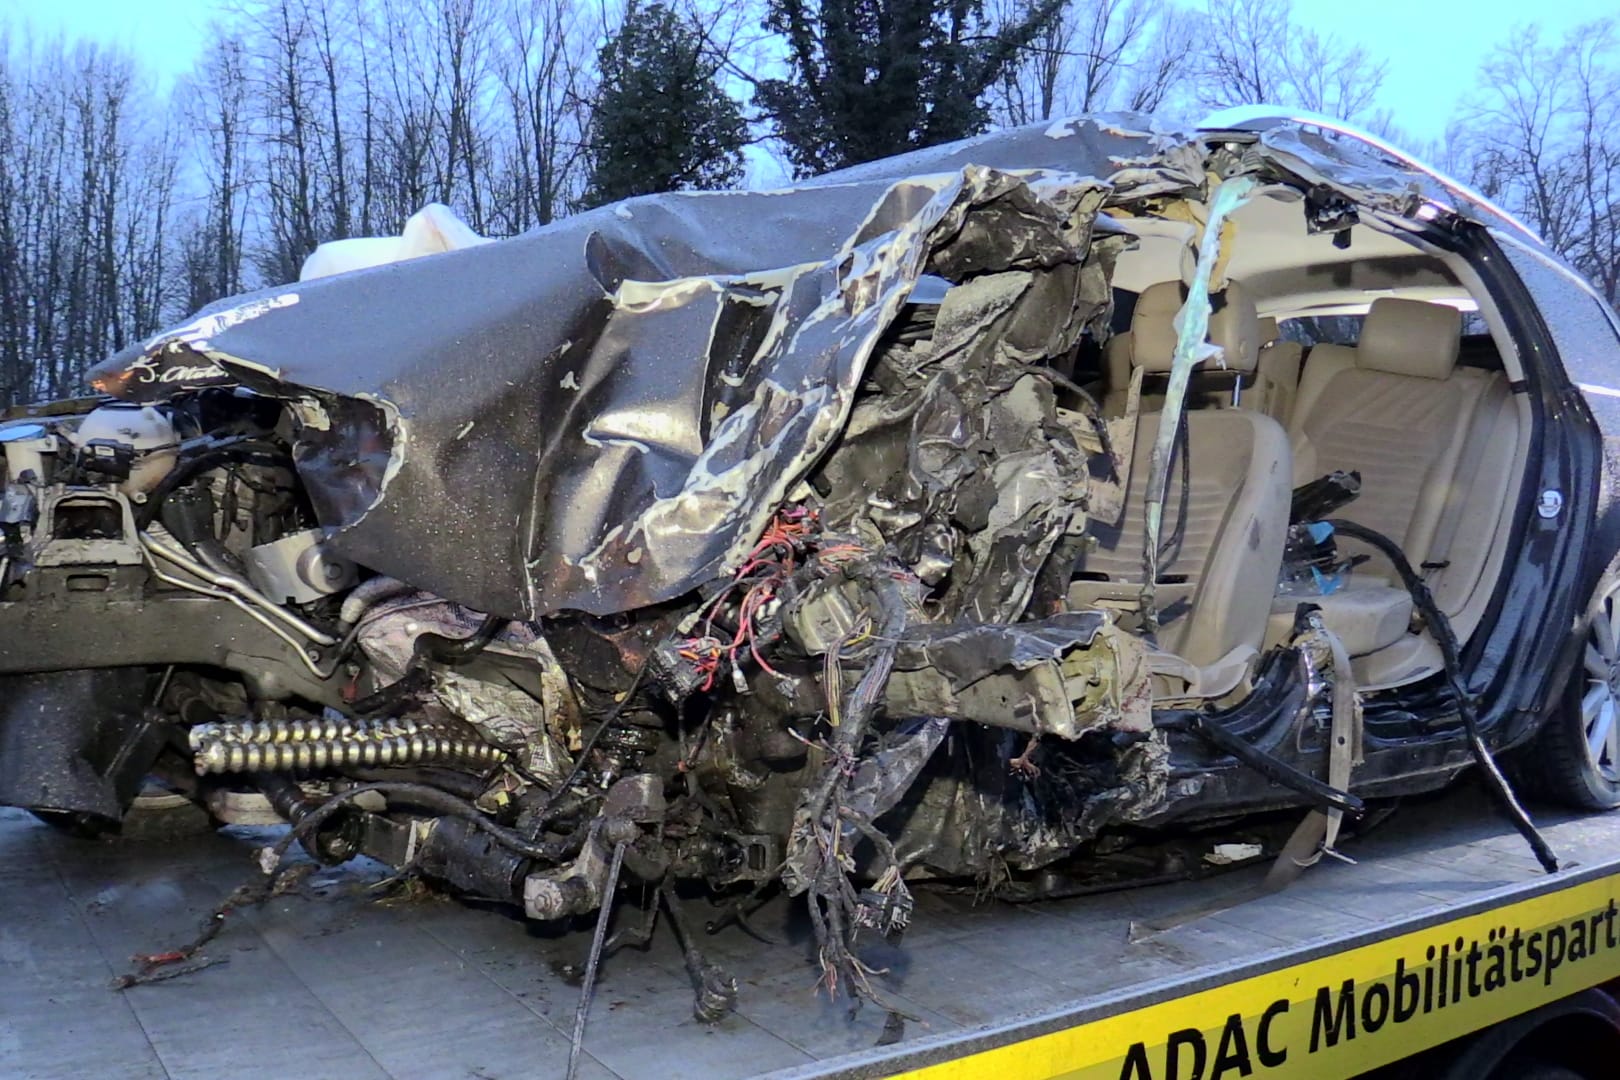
[(1396, 409), (1278, 371), (1469, 524)]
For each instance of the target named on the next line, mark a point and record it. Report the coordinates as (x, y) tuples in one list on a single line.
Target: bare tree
[(544, 72), (1164, 69), (1085, 60), (213, 103), (84, 197), (1542, 136), (1255, 52), (285, 87)]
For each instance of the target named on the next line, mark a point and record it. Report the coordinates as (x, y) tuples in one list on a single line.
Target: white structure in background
[(433, 229)]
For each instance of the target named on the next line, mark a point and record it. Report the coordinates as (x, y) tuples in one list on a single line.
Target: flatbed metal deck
[(334, 983)]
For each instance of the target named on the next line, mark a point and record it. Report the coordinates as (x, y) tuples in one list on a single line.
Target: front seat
[(1222, 545), (1235, 375)]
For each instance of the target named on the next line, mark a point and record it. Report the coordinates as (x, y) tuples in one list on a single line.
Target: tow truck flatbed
[(339, 983)]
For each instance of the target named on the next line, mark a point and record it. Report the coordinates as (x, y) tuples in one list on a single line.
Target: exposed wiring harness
[(768, 567), (822, 826), (275, 878)]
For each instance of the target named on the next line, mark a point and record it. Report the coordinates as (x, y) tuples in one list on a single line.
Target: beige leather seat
[(1278, 371), (1396, 409), (1150, 344), (1223, 554)]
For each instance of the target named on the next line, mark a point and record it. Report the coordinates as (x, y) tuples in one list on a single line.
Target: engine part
[(84, 526), (299, 568), (370, 592), (229, 583), (577, 887), (714, 990), (30, 451), (277, 745), (216, 452), (471, 860), (623, 748), (105, 460), (241, 807), (334, 840), (133, 444), (420, 641)]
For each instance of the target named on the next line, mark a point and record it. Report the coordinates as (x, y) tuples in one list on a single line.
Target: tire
[(154, 816), (1574, 1038), (1519, 1069), (165, 816), (78, 825), (1576, 756)]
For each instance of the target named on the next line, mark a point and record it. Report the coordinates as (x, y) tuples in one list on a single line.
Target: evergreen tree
[(661, 121), (870, 78)]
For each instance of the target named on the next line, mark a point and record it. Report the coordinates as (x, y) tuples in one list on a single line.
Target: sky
[(1432, 51)]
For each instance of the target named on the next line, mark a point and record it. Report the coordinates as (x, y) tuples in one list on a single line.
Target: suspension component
[(336, 840), (282, 744)]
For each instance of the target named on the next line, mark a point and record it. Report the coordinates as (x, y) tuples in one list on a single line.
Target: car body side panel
[(1565, 333)]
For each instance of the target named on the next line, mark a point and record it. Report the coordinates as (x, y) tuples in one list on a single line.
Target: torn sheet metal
[(601, 414), (1026, 676)]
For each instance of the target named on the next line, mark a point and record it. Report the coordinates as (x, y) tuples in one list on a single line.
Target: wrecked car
[(945, 517)]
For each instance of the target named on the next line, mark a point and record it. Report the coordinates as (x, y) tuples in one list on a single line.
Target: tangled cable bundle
[(773, 560)]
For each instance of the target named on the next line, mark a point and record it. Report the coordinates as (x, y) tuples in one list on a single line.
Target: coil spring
[(279, 745), (300, 730)]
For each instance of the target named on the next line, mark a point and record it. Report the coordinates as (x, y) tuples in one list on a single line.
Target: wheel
[(1576, 757), (156, 814), (75, 824), (1518, 1069)]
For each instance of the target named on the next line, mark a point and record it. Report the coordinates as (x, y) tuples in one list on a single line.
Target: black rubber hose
[(389, 697), (252, 450), (431, 798), (1446, 638), (460, 784), (452, 652), (338, 842), (457, 651), (1273, 768)]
